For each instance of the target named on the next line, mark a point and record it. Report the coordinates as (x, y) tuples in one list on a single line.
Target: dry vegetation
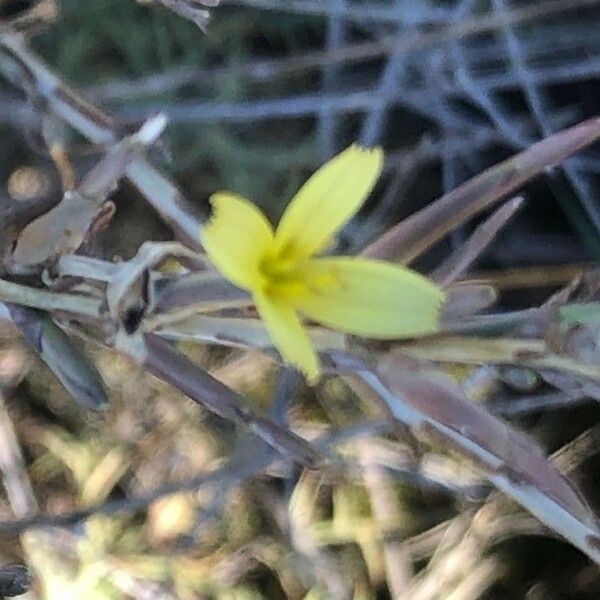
[(152, 446)]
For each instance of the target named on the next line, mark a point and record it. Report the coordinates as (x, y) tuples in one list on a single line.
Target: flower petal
[(236, 238), (283, 325), (369, 298), (329, 199)]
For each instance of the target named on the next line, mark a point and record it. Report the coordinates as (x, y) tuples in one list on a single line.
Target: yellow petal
[(329, 199), (283, 325), (369, 298), (236, 238)]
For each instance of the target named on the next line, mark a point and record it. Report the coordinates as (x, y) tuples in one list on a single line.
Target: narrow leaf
[(435, 406), (414, 235), (70, 365), (25, 70), (460, 260), (63, 229), (165, 362)]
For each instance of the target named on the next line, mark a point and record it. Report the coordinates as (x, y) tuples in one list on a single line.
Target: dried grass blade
[(18, 65), (417, 233), (241, 333), (170, 365), (64, 228), (435, 406), (480, 350), (70, 365), (460, 261)]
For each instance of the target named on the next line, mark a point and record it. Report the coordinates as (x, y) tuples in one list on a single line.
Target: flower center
[(282, 278), (287, 279)]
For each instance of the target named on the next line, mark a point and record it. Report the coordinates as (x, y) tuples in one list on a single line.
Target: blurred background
[(270, 91)]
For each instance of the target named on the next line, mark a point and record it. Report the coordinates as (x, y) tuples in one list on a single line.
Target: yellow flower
[(287, 278)]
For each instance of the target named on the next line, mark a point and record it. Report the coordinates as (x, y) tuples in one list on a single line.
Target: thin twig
[(82, 306), (27, 72), (418, 41)]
